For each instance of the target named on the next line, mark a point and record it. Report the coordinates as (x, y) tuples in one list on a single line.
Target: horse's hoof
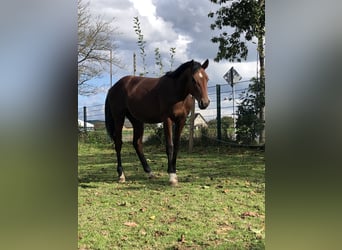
[(173, 183), (151, 176), (173, 180), (122, 178)]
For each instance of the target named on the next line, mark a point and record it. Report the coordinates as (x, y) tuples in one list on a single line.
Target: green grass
[(219, 203)]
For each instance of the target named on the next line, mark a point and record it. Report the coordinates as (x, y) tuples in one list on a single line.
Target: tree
[(248, 124), (141, 43), (96, 45), (247, 18), (159, 62), (157, 55), (172, 57), (226, 126)]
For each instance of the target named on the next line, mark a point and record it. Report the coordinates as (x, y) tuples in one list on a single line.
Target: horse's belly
[(156, 113), (145, 115)]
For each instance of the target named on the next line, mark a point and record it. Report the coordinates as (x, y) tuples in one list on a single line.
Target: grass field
[(219, 203)]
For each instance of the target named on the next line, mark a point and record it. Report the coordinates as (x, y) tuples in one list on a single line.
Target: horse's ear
[(205, 64)]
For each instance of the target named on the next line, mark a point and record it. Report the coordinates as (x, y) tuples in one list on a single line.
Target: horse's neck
[(182, 86)]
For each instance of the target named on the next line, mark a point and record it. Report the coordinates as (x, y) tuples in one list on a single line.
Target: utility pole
[(232, 76), (111, 66), (233, 89)]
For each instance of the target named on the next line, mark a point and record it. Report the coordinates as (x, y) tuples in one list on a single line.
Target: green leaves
[(249, 125), (141, 43), (159, 61), (157, 55), (172, 57), (230, 47), (248, 20)]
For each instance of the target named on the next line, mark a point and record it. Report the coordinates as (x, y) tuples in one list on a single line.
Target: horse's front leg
[(176, 142), (170, 152)]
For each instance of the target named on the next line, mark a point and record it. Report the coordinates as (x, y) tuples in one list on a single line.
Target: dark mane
[(177, 72)]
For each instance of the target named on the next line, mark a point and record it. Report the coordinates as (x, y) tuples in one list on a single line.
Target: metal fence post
[(218, 117), (85, 119)]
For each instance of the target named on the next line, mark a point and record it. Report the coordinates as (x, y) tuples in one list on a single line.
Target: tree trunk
[(261, 52), (262, 89)]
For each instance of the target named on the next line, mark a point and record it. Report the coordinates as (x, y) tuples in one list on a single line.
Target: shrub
[(97, 137)]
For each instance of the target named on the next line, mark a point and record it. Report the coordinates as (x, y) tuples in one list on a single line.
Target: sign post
[(232, 77)]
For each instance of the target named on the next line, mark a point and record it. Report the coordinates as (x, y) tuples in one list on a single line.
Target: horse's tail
[(109, 120)]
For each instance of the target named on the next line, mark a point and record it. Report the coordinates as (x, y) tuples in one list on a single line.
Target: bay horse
[(167, 99)]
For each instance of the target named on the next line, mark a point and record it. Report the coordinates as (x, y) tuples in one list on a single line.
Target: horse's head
[(200, 84)]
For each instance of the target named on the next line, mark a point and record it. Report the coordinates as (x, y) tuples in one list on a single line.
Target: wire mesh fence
[(220, 111)]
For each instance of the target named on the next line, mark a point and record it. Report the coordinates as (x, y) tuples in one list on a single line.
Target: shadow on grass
[(202, 165)]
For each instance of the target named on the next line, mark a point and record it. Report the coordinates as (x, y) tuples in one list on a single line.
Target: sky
[(182, 24)]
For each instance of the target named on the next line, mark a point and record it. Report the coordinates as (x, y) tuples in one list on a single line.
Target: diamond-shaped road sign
[(228, 76)]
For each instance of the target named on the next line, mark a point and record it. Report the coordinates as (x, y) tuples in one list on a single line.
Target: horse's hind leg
[(118, 145), (138, 133)]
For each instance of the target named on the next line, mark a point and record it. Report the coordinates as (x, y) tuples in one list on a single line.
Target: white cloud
[(182, 44), (145, 8)]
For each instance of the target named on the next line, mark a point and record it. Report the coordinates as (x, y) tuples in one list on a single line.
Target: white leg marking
[(122, 178), (173, 179)]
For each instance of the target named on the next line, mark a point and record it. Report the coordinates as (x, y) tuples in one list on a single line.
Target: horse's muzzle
[(203, 104)]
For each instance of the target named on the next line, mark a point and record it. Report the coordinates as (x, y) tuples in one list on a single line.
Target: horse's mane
[(177, 72)]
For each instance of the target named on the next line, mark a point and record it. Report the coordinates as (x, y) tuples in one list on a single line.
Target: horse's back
[(117, 94), (148, 99), (130, 84), (119, 86), (133, 92)]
